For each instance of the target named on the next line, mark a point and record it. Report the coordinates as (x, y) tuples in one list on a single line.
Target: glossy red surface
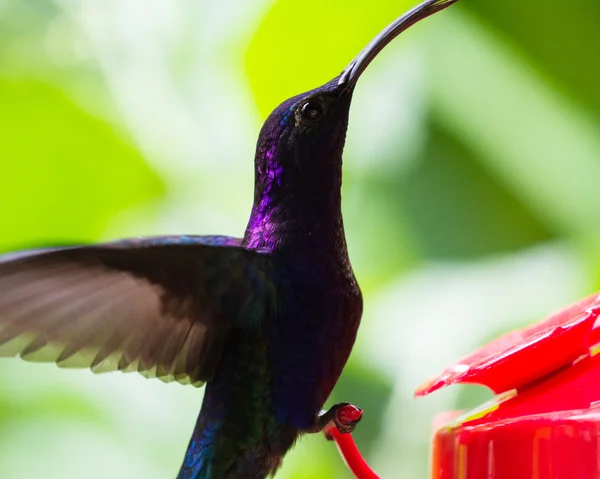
[(561, 446), (546, 422), (520, 357), (349, 414), (351, 454)]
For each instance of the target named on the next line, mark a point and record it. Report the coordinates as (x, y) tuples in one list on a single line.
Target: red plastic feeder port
[(544, 422)]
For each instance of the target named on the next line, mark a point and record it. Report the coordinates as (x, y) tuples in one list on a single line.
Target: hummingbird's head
[(299, 151), (306, 133)]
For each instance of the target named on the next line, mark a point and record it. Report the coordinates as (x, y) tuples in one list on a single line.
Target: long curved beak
[(353, 71)]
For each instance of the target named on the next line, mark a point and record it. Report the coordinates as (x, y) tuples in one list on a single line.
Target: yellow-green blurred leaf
[(64, 173)]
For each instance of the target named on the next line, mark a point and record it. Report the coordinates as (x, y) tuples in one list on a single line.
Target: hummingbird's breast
[(311, 337)]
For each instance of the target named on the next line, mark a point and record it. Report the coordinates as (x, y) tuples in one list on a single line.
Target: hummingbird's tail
[(197, 463), (217, 451), (193, 466)]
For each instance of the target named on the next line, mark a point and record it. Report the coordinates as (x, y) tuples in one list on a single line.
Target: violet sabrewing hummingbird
[(266, 321)]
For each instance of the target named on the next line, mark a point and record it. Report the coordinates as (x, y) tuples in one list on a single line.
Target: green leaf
[(458, 209), (543, 148), (64, 174), (557, 37)]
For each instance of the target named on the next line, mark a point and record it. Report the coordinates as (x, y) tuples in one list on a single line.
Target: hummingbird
[(266, 322)]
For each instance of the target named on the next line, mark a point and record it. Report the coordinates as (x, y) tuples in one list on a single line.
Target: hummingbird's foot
[(343, 416)]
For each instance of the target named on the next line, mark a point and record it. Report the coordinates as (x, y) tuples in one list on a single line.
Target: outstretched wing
[(161, 306)]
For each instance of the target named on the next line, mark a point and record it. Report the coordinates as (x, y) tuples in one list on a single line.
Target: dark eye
[(311, 110)]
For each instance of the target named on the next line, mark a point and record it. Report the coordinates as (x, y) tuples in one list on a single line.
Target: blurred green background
[(470, 192)]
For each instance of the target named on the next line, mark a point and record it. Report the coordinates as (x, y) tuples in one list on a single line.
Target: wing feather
[(160, 306)]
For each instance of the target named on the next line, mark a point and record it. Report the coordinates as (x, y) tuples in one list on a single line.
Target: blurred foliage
[(475, 213), (470, 184), (53, 146), (556, 38)]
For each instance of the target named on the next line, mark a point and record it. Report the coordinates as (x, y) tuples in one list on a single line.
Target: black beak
[(353, 71)]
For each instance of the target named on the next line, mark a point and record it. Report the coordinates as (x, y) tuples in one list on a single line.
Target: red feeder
[(544, 422)]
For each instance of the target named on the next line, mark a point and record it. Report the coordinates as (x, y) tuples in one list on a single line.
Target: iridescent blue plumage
[(267, 321)]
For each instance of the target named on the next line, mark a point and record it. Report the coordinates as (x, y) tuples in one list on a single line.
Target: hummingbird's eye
[(311, 111)]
